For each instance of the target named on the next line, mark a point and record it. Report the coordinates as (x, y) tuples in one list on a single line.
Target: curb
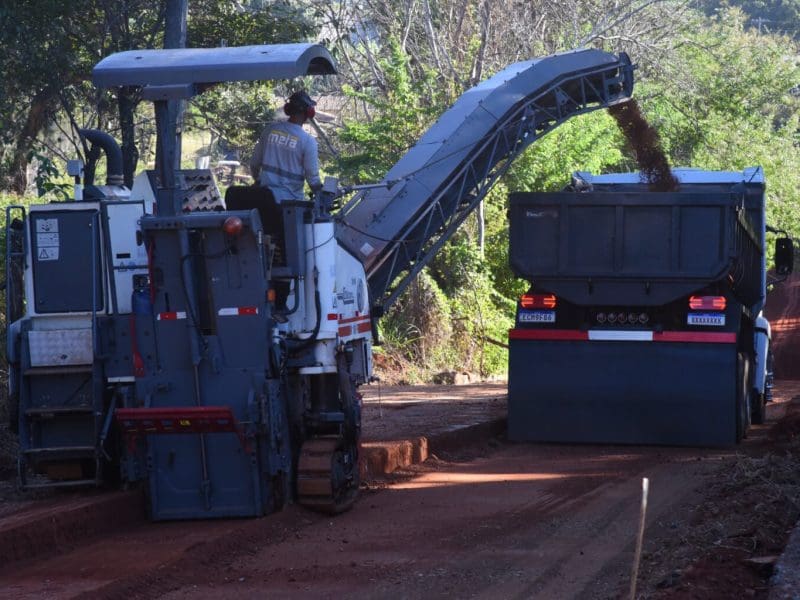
[(48, 530), (380, 458)]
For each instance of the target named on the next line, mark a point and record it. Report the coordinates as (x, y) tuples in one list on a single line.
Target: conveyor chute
[(439, 181)]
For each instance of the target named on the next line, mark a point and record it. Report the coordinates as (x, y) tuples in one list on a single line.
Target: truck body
[(642, 322)]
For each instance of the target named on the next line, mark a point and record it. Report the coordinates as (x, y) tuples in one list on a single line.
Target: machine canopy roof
[(189, 66)]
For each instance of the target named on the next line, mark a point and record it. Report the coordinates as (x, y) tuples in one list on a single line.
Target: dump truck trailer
[(641, 324)]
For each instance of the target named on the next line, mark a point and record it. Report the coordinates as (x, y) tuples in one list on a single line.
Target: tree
[(725, 102), (39, 59), (51, 46), (236, 113), (764, 16)]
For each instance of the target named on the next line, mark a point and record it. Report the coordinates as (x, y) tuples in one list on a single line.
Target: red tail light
[(538, 301), (707, 302), (233, 226)]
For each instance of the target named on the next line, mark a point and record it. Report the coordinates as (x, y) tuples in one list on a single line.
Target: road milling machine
[(211, 348)]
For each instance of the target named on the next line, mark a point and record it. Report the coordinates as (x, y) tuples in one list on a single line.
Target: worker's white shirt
[(285, 156)]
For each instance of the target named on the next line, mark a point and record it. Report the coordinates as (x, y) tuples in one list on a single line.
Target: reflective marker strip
[(712, 337), (623, 336), (236, 311), (171, 316)]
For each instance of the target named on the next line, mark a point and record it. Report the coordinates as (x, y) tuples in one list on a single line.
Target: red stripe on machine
[(346, 330), (601, 335), (364, 327), (171, 316)]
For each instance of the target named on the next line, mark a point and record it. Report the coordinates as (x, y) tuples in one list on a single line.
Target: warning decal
[(48, 240), (47, 226), (47, 253)]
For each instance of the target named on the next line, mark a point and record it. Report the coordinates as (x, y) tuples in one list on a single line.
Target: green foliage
[(418, 329), (780, 16), (726, 105), (399, 116), (213, 23), (46, 174), (234, 113), (589, 142), (481, 315)]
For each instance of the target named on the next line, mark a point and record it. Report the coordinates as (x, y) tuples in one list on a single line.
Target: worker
[(285, 155)]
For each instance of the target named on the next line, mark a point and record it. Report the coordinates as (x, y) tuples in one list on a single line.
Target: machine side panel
[(227, 323), (61, 244)]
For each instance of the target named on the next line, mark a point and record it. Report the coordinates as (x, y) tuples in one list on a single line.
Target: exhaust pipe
[(113, 152)]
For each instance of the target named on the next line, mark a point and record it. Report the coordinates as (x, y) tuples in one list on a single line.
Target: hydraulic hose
[(113, 153), (296, 346)]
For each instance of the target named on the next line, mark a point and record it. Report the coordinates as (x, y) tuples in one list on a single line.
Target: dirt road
[(498, 521)]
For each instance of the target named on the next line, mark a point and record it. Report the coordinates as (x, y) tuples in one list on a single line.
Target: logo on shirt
[(279, 138)]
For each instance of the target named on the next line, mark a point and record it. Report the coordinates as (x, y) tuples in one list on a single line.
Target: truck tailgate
[(648, 248)]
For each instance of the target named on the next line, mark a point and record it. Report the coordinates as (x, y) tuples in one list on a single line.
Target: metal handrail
[(10, 254)]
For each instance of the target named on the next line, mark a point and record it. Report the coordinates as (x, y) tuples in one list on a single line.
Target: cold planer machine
[(213, 348)]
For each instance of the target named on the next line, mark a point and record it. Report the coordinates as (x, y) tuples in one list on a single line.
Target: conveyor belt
[(396, 230)]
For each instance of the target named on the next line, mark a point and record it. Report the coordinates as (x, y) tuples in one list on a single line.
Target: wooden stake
[(639, 538)]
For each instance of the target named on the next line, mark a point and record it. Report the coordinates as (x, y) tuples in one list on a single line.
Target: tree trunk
[(41, 105)]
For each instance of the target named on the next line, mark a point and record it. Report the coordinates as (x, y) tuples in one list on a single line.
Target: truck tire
[(758, 413)]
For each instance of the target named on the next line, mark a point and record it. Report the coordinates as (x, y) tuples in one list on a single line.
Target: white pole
[(639, 538)]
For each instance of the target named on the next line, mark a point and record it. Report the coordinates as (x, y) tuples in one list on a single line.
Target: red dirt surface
[(644, 141), (496, 520)]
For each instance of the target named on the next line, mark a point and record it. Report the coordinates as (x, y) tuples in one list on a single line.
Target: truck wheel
[(758, 413)]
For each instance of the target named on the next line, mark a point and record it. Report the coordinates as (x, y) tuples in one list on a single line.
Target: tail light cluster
[(622, 317), (542, 301), (707, 303)]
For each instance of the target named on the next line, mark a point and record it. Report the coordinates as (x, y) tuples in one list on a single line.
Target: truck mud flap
[(681, 394)]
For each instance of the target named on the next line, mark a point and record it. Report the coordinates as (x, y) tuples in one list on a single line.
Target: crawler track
[(327, 475)]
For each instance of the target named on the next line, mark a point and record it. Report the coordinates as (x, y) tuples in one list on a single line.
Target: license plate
[(709, 319), (537, 316)]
